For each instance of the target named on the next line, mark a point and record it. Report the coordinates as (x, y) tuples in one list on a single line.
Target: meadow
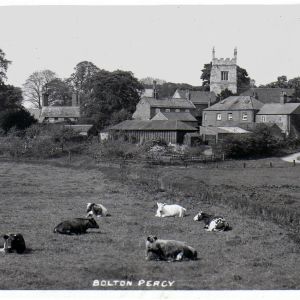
[(258, 253)]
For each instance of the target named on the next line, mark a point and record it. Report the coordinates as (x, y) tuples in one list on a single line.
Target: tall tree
[(59, 91), (113, 97), (3, 66), (35, 85), (81, 79), (10, 97)]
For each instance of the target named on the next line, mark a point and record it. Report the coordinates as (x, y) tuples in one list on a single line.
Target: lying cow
[(76, 226), (168, 250), (97, 210), (13, 243), (166, 210), (212, 223)]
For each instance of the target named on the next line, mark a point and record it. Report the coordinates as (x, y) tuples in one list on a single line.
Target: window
[(229, 116), (177, 110), (205, 117), (224, 75), (244, 116), (56, 118), (187, 110), (219, 117), (263, 119), (157, 110), (167, 110)]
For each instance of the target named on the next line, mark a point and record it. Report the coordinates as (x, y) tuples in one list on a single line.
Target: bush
[(260, 143), (20, 119)]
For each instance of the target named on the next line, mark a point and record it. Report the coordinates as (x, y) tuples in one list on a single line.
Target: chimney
[(75, 99), (213, 53), (235, 52), (188, 95), (154, 93), (45, 97), (283, 97)]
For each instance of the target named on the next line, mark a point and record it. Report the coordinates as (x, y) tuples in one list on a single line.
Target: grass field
[(255, 254)]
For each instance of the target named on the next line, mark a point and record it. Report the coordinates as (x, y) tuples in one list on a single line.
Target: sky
[(168, 42)]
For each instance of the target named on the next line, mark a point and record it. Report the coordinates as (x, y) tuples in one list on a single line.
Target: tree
[(224, 94), (147, 82), (10, 97), (111, 92), (243, 81), (35, 85), (17, 118), (3, 67), (59, 91), (81, 79)]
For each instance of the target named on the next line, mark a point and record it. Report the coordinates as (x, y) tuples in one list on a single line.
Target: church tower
[(223, 74)]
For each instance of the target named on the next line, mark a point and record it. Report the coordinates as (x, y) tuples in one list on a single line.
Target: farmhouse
[(232, 111), (270, 95), (285, 115), (172, 131), (60, 114), (201, 100)]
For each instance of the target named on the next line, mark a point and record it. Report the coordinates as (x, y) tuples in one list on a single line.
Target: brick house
[(232, 111)]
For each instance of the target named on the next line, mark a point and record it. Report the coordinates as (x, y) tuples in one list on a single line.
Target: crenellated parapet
[(224, 61)]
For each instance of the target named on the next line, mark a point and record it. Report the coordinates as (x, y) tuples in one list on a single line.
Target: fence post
[(271, 165), (244, 165), (294, 163)]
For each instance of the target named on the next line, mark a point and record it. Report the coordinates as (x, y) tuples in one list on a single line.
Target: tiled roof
[(268, 95), (198, 97), (236, 103), (60, 112), (280, 109), (159, 125), (180, 116), (170, 103)]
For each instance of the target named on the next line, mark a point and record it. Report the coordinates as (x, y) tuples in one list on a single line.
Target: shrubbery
[(260, 143)]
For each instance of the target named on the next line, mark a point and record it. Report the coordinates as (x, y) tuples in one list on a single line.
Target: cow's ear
[(158, 204), (155, 238), (5, 236)]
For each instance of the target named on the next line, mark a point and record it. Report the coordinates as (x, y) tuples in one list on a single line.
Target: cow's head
[(160, 207), (14, 242), (199, 216), (93, 223), (151, 238)]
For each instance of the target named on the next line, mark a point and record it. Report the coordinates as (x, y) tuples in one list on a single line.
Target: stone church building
[(223, 74)]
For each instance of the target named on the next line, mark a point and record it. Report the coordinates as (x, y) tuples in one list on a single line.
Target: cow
[(97, 210), (75, 226), (172, 210), (168, 250), (212, 223), (13, 243)]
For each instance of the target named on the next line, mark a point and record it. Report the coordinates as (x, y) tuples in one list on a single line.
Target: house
[(213, 134), (147, 108), (270, 95), (60, 114), (201, 100), (232, 111), (185, 117), (285, 115), (171, 131)]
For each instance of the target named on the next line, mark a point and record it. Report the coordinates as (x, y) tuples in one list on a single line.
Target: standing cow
[(75, 226), (168, 250), (97, 210), (166, 210), (212, 223), (13, 243)]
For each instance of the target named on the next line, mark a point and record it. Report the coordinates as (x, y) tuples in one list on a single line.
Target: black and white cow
[(168, 250), (212, 223), (13, 243), (97, 210), (76, 226)]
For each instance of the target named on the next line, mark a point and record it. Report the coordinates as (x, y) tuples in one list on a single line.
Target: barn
[(171, 131)]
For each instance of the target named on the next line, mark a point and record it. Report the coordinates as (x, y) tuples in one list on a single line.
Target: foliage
[(113, 94), (261, 143), (35, 85), (224, 94), (19, 119), (10, 97), (59, 91), (3, 66)]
